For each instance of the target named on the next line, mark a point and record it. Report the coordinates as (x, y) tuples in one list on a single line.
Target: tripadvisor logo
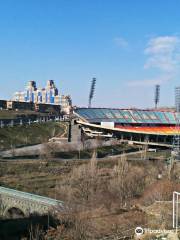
[(139, 231)]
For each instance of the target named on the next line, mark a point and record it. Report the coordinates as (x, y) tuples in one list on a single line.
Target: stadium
[(152, 127)]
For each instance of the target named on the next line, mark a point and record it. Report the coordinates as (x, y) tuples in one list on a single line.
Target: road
[(40, 148)]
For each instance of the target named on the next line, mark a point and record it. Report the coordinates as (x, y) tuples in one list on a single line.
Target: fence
[(29, 121)]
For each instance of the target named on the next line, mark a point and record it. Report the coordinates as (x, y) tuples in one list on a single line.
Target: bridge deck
[(30, 196)]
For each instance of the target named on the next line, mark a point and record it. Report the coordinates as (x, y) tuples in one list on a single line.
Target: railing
[(29, 196), (29, 121)]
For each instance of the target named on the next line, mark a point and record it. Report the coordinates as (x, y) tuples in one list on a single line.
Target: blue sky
[(129, 45)]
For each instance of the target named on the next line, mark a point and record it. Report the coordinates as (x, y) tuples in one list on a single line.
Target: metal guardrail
[(29, 196), (29, 121)]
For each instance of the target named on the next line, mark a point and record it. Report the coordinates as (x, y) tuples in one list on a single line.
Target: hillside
[(110, 197), (12, 137)]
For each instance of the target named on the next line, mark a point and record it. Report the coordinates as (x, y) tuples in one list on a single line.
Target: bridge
[(23, 204)]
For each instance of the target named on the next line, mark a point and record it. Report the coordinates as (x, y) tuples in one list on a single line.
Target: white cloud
[(166, 44), (151, 81), (163, 54), (120, 42)]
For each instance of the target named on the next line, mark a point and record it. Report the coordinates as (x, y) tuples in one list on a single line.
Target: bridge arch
[(14, 212), (24, 204)]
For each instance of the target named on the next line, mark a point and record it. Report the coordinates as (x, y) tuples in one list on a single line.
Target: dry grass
[(105, 198)]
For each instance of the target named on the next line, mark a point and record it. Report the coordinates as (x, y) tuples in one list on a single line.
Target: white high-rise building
[(49, 94)]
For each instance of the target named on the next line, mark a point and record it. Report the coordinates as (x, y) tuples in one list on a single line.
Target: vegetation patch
[(26, 135)]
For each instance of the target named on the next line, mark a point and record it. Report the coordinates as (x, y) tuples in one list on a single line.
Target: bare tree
[(73, 224), (117, 185), (126, 182), (47, 153), (36, 233), (86, 177)]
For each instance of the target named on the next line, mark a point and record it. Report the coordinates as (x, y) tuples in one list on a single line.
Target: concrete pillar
[(69, 132), (12, 123), (2, 124), (75, 133)]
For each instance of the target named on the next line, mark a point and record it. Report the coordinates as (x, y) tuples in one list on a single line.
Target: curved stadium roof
[(132, 120)]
